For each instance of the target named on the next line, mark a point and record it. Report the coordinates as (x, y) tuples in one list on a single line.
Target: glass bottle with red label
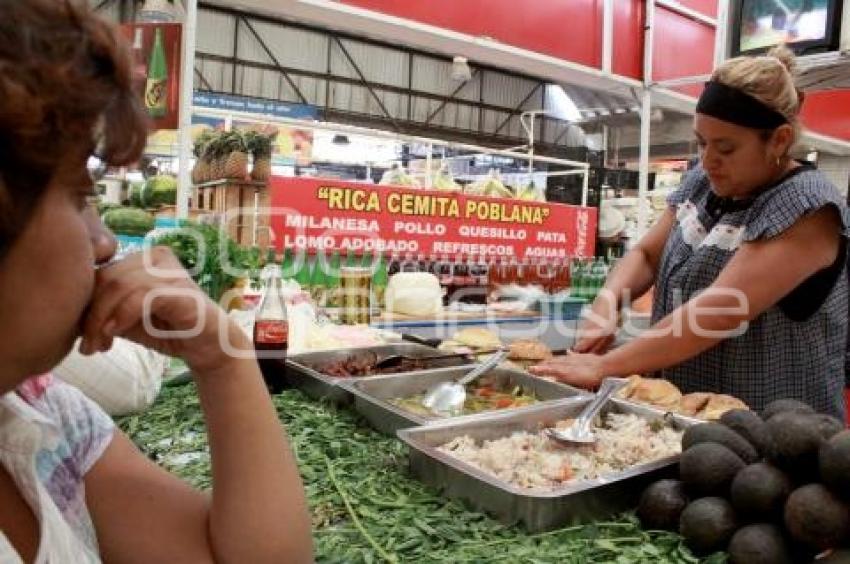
[(271, 326)]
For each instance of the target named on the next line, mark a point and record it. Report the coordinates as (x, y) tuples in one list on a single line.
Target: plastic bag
[(397, 176), (490, 186), (443, 180)]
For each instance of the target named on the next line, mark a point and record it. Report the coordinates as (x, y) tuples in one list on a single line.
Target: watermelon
[(128, 221), (135, 194), (159, 191)]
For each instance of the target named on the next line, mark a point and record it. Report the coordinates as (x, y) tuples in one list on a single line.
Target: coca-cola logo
[(272, 332), (155, 95)]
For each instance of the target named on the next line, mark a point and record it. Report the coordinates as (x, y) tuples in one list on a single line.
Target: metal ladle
[(579, 432), (447, 398)]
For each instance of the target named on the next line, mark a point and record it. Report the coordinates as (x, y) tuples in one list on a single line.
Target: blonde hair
[(767, 78)]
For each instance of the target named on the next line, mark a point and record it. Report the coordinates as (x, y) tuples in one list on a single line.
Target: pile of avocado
[(773, 489)]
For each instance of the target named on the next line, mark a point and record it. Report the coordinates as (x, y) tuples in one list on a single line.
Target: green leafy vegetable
[(367, 508)]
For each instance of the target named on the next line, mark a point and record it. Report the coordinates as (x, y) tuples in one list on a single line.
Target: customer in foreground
[(73, 488)]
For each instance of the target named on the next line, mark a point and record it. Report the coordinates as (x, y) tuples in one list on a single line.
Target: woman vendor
[(747, 261), (73, 488)]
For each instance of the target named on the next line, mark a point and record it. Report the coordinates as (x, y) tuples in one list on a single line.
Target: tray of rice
[(505, 464)]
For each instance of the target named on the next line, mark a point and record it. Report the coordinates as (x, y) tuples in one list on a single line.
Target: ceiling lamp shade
[(460, 69)]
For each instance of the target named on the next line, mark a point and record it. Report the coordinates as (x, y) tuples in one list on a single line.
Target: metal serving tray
[(372, 396), (302, 374), (580, 501)]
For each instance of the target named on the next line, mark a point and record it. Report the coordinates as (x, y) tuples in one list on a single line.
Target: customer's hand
[(154, 308), (580, 370), (598, 329)]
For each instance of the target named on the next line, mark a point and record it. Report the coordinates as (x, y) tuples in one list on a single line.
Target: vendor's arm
[(632, 277), (759, 275)]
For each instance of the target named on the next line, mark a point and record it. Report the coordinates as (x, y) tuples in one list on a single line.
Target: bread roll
[(478, 338)]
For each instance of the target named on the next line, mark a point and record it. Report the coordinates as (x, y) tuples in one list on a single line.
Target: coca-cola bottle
[(394, 266), (422, 264), (444, 274), (461, 280), (495, 275), (410, 264), (482, 278), (271, 333)]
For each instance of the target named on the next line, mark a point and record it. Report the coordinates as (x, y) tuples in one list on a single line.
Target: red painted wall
[(683, 47), (707, 7), (569, 30), (828, 113), (628, 38), (572, 30)]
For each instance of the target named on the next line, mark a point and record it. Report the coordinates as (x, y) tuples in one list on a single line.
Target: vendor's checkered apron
[(776, 357)]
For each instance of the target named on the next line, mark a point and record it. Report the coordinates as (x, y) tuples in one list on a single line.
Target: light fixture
[(340, 139), (560, 105), (460, 69)]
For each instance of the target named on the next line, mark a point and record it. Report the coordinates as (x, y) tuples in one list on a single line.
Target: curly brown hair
[(66, 89)]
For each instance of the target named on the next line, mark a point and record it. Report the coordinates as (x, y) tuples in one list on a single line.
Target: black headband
[(730, 104)]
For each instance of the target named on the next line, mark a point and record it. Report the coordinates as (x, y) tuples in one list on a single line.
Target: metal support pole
[(235, 54), (409, 86), (585, 187), (645, 121), (428, 164), (605, 134), (531, 146), (608, 36), (328, 79), (643, 168), (187, 87), (720, 33)]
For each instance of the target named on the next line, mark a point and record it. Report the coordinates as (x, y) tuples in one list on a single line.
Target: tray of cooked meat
[(319, 374)]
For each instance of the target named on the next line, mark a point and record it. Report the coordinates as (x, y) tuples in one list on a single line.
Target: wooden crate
[(234, 201)]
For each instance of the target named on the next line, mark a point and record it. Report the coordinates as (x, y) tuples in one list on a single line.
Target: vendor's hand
[(597, 330), (580, 370), (118, 307)]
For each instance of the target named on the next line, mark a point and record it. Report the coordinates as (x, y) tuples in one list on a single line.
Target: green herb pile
[(367, 508)]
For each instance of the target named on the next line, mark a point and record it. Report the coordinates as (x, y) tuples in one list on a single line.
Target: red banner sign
[(156, 68), (312, 214)]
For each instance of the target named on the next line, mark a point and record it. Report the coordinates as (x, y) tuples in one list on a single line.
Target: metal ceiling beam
[(562, 134), (346, 80), (516, 110), (365, 82), (204, 82), (446, 133), (452, 97), (277, 64)]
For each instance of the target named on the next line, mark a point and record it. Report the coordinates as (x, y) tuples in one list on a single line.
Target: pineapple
[(261, 147), (214, 155), (236, 161), (199, 171)]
